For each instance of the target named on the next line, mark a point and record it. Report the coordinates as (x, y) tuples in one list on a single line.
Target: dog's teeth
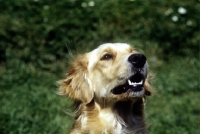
[(140, 82), (129, 82), (135, 83)]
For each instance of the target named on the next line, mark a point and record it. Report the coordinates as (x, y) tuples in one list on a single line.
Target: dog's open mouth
[(134, 85)]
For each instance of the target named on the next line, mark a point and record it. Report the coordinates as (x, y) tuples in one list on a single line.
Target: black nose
[(137, 60)]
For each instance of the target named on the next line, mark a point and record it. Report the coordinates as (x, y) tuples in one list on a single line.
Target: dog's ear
[(77, 85)]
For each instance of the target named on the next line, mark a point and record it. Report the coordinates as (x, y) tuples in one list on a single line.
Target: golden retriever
[(108, 86)]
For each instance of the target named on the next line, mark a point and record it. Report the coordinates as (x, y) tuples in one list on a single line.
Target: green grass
[(29, 103), (174, 107)]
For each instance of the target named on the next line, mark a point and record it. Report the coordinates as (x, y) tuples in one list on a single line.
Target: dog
[(108, 86)]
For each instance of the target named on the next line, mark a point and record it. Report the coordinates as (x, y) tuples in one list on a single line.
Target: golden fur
[(93, 82)]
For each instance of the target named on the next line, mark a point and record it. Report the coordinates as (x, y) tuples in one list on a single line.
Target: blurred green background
[(38, 38)]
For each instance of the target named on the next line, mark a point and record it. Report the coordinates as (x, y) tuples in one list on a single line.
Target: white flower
[(182, 10), (84, 4), (175, 18), (91, 3)]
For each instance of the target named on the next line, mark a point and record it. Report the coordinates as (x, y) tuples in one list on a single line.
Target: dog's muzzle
[(135, 83)]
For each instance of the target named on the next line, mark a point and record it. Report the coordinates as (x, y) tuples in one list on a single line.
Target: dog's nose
[(137, 60)]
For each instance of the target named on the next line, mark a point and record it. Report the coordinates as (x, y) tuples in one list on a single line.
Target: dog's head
[(112, 71)]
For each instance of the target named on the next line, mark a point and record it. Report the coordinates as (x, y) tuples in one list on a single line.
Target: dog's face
[(112, 71)]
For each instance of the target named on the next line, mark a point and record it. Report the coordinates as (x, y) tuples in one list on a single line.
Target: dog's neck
[(111, 117)]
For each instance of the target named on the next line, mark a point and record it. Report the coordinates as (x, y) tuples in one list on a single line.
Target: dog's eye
[(107, 57)]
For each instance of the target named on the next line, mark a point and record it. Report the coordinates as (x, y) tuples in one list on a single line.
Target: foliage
[(42, 28), (38, 37)]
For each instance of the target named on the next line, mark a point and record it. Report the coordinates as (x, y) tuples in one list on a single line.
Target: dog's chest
[(111, 124), (101, 122)]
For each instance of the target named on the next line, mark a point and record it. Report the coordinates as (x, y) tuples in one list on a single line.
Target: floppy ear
[(77, 86)]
